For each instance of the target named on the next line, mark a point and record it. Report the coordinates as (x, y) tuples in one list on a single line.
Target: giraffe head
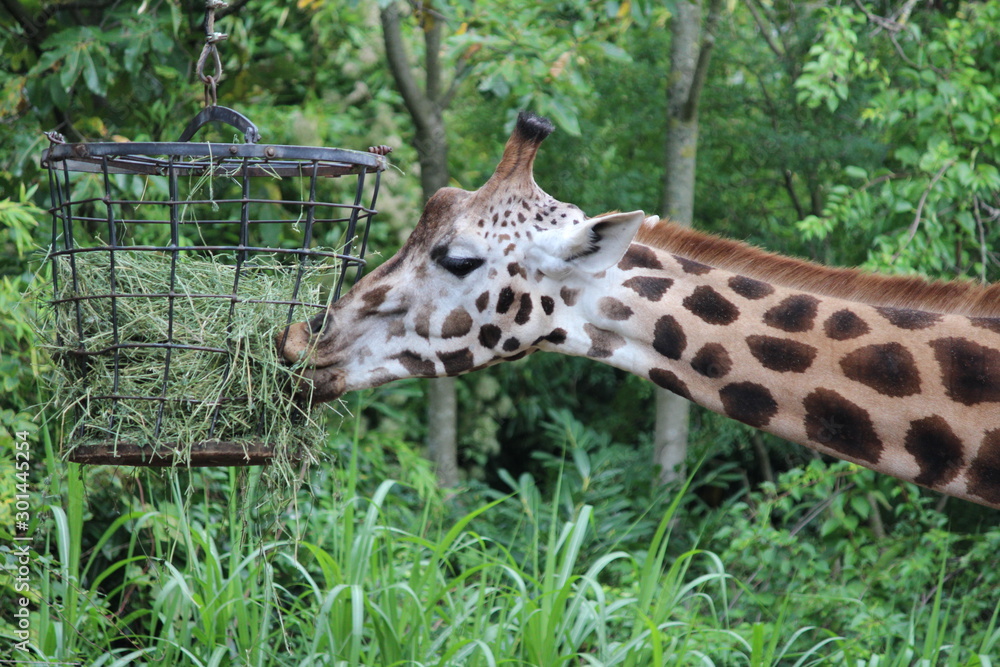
[(483, 278)]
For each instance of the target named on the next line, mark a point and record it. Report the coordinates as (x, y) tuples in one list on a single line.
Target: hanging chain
[(209, 50)]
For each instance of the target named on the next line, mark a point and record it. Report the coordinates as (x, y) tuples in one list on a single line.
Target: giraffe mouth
[(320, 385), (312, 382)]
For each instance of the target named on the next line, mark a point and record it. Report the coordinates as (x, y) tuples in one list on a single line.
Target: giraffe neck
[(908, 392)]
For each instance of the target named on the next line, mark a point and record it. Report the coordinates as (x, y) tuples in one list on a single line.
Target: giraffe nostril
[(318, 323)]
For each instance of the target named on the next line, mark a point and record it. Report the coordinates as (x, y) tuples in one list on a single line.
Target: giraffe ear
[(592, 246)]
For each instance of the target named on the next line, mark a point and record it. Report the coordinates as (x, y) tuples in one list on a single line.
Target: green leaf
[(856, 172), (902, 206), (987, 177), (58, 94), (90, 77), (561, 114), (963, 172), (861, 506), (615, 52), (70, 69)]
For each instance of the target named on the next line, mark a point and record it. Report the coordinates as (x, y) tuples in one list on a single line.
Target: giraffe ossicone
[(897, 374)]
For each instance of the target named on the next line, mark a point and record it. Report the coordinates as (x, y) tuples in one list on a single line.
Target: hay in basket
[(180, 371)]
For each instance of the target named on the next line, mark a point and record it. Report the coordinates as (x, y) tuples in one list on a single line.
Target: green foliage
[(844, 544), (20, 361), (532, 55), (824, 78), (18, 220), (362, 570), (929, 207)]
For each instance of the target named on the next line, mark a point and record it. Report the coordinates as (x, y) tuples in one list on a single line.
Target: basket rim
[(77, 156)]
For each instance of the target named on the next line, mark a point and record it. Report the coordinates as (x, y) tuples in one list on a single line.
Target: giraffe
[(896, 374)]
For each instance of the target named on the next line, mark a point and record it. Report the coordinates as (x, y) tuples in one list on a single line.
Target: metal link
[(211, 39)]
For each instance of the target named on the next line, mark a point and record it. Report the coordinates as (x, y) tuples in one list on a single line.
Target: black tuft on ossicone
[(532, 127)]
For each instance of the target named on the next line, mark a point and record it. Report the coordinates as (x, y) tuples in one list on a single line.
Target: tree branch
[(920, 207), (790, 188), (234, 7), (982, 238), (704, 58), (765, 29), (399, 65), (33, 28), (432, 55)]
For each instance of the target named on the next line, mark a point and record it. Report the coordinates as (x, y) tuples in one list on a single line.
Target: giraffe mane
[(957, 297)]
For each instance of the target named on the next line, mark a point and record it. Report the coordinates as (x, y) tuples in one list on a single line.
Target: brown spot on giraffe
[(556, 337), (614, 309), (845, 325), (669, 338), (373, 299), (712, 307), (749, 402), (712, 361), (970, 372), (650, 288), (515, 269), (794, 314), (989, 323), (905, 318), (639, 257), (416, 364), (489, 335), (748, 288), (456, 362), (396, 329), (422, 322), (691, 266), (835, 422), (937, 450), (457, 324), (548, 304), (524, 311), (505, 300), (482, 301), (603, 343), (569, 296), (888, 368), (984, 471), (781, 354), (669, 381)]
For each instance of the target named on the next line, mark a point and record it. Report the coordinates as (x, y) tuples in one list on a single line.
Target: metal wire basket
[(264, 213)]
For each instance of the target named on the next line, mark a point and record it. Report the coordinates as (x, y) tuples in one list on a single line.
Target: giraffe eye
[(460, 266)]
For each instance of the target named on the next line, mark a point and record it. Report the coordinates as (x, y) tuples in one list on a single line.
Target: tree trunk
[(671, 435), (426, 108), (442, 400), (442, 417), (690, 54)]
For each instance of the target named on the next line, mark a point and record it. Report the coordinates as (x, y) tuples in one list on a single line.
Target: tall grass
[(363, 573)]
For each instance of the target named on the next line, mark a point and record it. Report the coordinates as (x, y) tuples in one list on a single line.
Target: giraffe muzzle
[(317, 379), (319, 385)]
